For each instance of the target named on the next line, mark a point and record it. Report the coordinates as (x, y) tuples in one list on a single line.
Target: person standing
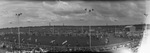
[(106, 40)]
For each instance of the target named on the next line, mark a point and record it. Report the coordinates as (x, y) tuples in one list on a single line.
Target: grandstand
[(60, 37)]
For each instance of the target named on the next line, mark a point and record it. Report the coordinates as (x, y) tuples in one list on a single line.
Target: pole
[(90, 36), (11, 28), (18, 29), (53, 29), (50, 28), (63, 24), (29, 28), (82, 30), (49, 23), (90, 31), (115, 30)]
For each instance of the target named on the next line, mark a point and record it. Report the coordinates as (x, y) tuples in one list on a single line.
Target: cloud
[(62, 11), (66, 8), (63, 6), (35, 12), (3, 2), (128, 9), (113, 19)]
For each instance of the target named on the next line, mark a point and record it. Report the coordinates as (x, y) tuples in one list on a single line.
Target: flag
[(15, 40), (64, 42), (2, 45), (106, 40), (52, 41), (35, 40)]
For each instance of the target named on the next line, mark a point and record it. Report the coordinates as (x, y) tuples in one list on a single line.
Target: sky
[(39, 13)]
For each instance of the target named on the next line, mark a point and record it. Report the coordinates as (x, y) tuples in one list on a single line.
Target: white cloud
[(43, 11), (3, 3), (113, 19), (63, 6), (99, 18)]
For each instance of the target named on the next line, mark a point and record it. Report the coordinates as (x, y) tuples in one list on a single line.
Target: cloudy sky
[(38, 13)]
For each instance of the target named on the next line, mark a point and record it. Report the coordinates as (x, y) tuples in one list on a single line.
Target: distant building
[(130, 28)]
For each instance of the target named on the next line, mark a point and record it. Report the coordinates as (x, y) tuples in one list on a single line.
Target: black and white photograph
[(50, 26)]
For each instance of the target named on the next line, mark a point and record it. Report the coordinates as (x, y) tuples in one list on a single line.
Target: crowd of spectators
[(96, 32), (133, 45)]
